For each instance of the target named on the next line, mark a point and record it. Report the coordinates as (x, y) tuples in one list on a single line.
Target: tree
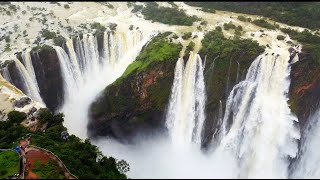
[(66, 6), (16, 116), (123, 167)]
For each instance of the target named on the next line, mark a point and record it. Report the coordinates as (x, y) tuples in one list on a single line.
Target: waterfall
[(258, 130), (238, 72), (228, 79), (185, 115), (31, 87), (86, 71), (6, 74), (307, 165)]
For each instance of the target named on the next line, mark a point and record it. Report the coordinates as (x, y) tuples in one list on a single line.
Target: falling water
[(31, 87), (6, 74), (307, 166), (238, 72), (228, 79), (185, 114), (86, 72), (258, 129)]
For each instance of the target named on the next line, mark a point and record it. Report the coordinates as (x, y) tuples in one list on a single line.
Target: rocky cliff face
[(48, 74), (16, 78), (305, 86), (136, 102)]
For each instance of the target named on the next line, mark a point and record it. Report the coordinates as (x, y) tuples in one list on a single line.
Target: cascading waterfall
[(185, 114), (85, 76), (258, 130), (307, 165), (26, 58), (238, 72), (31, 87), (6, 74)]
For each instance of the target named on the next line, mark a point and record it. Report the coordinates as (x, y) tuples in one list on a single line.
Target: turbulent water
[(257, 135), (307, 166), (86, 71), (258, 129), (30, 84), (186, 115)]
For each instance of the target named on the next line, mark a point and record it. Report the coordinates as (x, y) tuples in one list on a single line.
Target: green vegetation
[(7, 38), (7, 48), (208, 10), (85, 165), (157, 58), (263, 23), (227, 53), (59, 40), (66, 6), (227, 26), (186, 35), (50, 170), (45, 116), (171, 16), (98, 26), (16, 116), (47, 34), (157, 50), (9, 133), (136, 8), (244, 19), (304, 14), (311, 43), (280, 37), (9, 164), (89, 161)]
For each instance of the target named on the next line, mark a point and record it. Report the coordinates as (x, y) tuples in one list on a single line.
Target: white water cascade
[(86, 73), (307, 166), (185, 116), (258, 131), (31, 85), (6, 74)]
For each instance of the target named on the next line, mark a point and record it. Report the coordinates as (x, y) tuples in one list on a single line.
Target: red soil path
[(32, 155)]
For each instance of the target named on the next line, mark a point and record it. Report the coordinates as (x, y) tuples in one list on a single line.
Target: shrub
[(136, 8), (66, 6), (218, 28), (16, 116), (171, 16), (187, 35), (242, 18), (227, 26), (59, 40), (7, 38), (280, 37), (263, 23)]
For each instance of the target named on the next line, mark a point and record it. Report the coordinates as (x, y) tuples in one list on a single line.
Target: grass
[(51, 170), (158, 50), (9, 164)]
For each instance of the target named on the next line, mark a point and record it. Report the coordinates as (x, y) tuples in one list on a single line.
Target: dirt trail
[(32, 154)]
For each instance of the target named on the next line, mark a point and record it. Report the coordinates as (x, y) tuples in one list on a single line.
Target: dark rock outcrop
[(135, 103), (48, 74), (22, 102), (133, 106), (16, 78), (304, 96)]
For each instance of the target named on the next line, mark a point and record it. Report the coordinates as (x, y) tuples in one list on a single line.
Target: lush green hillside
[(304, 14), (82, 158), (9, 164)]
